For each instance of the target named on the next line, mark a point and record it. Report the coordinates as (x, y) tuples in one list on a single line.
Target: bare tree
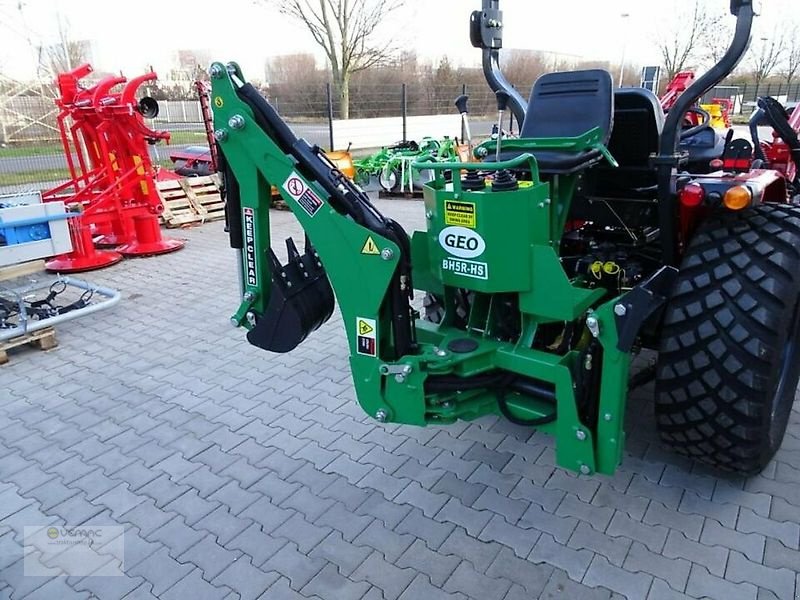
[(683, 43), (346, 30), (767, 55), (792, 63), (718, 40)]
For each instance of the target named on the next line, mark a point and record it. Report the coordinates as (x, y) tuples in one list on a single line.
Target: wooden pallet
[(44, 339), (191, 200)]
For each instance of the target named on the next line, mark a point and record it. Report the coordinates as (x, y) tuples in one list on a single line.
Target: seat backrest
[(638, 123), (570, 104)]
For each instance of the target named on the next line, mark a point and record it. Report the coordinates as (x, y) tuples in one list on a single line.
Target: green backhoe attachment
[(519, 335)]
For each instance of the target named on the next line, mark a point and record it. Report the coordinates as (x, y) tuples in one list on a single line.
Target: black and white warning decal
[(302, 194), (366, 337)]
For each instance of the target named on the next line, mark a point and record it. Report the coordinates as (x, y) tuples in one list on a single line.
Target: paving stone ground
[(242, 474)]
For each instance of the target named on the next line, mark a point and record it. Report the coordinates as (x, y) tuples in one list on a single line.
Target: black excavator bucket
[(300, 301)]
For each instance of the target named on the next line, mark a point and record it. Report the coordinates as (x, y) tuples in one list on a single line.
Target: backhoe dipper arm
[(366, 254)]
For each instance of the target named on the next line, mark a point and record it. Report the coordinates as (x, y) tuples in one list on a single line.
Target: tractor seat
[(569, 104), (638, 123)]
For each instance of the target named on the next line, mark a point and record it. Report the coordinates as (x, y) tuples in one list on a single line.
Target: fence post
[(329, 97), (744, 96), (404, 110)]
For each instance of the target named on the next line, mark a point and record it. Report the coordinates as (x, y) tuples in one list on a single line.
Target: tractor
[(545, 269)]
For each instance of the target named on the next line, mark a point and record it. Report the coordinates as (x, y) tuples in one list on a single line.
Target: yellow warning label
[(218, 102), (459, 213), (370, 247), (364, 328)]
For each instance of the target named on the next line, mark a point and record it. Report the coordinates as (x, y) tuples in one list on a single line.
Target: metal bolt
[(607, 417), (234, 321), (387, 254), (541, 204), (581, 435), (406, 369), (216, 71), (441, 353), (220, 135), (381, 415), (585, 470), (249, 296), (236, 122), (620, 310), (428, 215), (447, 404), (593, 325), (547, 201), (251, 318), (399, 378)]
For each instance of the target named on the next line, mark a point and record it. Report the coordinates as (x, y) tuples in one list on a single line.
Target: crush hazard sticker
[(366, 337), (459, 213), (370, 247), (302, 194)]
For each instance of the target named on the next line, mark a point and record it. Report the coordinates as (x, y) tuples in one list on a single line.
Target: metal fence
[(31, 156)]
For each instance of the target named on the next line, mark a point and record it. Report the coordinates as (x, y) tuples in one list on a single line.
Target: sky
[(129, 36)]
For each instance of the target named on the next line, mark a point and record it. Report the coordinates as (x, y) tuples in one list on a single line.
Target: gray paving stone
[(414, 494), (435, 565), (702, 584), (248, 582), (281, 590), (660, 590), (329, 584), (561, 587), (433, 533), (176, 535), (162, 490), (390, 579), (572, 506), (209, 557), (389, 513), (470, 582), (306, 535), (520, 540), (421, 589), (727, 493), (601, 573), (674, 571), (742, 570), (346, 556), (119, 500), (549, 551), (690, 525), (788, 533), (161, 571), (548, 499), (147, 517), (530, 576), (256, 544), (614, 549), (582, 487), (194, 586), (652, 536), (294, 565), (470, 519), (385, 541), (713, 558), (751, 544), (560, 528), (191, 506), (628, 502)]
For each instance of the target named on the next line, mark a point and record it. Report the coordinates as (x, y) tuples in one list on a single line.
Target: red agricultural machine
[(112, 179)]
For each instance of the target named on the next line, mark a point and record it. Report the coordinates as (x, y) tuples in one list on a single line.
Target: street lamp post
[(624, 16)]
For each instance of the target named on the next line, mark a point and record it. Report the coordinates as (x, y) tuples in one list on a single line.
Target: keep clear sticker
[(366, 336), (302, 194)]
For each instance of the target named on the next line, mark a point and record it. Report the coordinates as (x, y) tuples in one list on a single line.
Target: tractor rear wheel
[(729, 358)]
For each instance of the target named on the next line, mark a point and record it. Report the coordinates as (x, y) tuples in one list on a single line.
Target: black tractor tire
[(729, 363)]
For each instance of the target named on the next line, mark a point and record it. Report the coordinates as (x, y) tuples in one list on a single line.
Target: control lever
[(502, 104), (504, 179), (461, 105)]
